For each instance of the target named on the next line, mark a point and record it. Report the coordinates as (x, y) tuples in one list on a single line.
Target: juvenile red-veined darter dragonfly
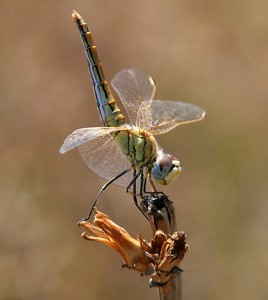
[(128, 154)]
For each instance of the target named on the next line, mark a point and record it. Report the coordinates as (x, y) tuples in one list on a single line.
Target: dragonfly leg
[(142, 183), (134, 193), (135, 177), (100, 192), (144, 186), (152, 184), (154, 192)]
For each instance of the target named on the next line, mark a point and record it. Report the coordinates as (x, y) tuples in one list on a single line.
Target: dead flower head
[(157, 258)]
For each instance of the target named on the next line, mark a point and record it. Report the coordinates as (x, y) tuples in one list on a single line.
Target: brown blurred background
[(211, 53)]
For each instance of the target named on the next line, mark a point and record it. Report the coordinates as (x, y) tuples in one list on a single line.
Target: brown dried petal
[(107, 232), (156, 259)]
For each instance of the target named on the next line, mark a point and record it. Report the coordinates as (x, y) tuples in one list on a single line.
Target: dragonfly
[(127, 154)]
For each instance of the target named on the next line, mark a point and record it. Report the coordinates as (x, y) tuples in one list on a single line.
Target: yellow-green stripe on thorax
[(138, 145)]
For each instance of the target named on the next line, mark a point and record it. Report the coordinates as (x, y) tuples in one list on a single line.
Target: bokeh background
[(211, 53)]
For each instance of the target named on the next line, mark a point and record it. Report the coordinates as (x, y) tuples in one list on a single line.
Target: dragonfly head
[(166, 169)]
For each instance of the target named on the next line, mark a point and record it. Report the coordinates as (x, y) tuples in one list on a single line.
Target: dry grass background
[(212, 53)]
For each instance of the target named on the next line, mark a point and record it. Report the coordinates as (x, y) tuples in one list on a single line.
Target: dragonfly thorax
[(166, 169), (139, 146)]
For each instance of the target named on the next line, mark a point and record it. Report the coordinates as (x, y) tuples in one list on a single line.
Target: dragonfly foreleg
[(100, 192), (144, 185), (152, 184)]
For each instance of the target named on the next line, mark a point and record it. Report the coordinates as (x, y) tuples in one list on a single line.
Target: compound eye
[(162, 167)]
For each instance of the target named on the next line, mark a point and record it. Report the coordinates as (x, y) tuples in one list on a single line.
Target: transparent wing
[(166, 115), (136, 90), (83, 135), (105, 158), (99, 152)]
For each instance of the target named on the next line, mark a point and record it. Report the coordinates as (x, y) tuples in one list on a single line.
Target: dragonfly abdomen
[(108, 109)]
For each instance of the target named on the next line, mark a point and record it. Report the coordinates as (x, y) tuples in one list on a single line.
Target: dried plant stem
[(172, 290), (162, 217)]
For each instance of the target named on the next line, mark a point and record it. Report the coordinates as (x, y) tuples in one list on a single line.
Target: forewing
[(99, 151), (166, 115), (136, 90), (83, 135)]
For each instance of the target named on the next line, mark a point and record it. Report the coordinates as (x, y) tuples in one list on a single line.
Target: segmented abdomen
[(109, 111)]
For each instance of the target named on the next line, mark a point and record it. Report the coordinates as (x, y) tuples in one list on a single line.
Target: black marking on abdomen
[(101, 89)]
